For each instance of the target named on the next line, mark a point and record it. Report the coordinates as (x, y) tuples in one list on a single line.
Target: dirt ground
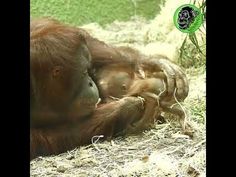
[(159, 152)]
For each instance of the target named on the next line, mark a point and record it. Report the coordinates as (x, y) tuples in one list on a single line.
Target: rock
[(61, 169)]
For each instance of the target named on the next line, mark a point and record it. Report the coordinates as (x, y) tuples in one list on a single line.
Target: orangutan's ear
[(56, 71)]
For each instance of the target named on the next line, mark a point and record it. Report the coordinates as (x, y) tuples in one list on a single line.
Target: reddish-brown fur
[(68, 69)]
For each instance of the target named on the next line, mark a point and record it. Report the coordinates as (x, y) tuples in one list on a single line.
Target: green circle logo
[(188, 18)]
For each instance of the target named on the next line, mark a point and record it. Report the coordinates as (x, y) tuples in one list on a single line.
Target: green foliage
[(79, 12), (198, 110), (191, 53)]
